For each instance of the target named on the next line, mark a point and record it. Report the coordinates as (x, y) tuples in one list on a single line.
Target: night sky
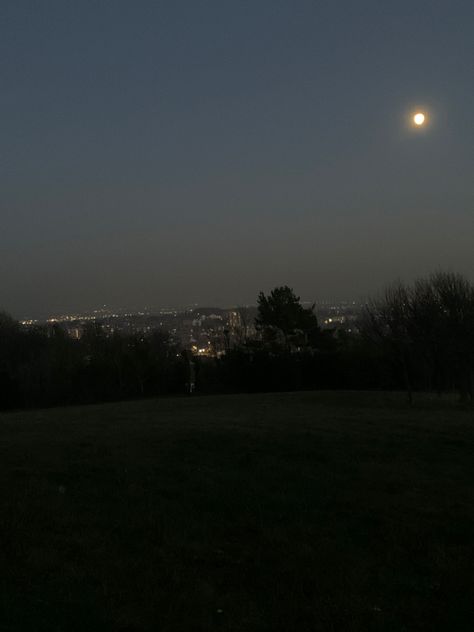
[(167, 153)]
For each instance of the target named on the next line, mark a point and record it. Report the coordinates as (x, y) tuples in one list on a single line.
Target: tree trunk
[(408, 385)]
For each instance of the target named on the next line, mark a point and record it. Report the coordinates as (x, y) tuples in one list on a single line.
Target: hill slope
[(262, 512)]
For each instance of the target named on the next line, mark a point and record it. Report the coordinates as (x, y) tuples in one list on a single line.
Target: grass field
[(276, 512)]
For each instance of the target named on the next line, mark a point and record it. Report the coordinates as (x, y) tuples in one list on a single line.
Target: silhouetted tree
[(387, 324), (429, 330), (9, 354), (282, 319), (453, 295)]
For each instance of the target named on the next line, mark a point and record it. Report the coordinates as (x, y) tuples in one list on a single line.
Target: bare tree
[(429, 324), (387, 322), (454, 296)]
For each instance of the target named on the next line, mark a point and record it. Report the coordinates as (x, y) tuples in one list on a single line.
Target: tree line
[(417, 337), (427, 329)]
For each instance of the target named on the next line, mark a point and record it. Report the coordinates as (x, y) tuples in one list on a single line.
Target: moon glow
[(419, 118)]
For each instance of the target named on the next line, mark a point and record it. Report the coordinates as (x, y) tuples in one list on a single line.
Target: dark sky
[(165, 153)]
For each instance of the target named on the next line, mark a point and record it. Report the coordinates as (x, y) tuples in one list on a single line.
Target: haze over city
[(177, 153)]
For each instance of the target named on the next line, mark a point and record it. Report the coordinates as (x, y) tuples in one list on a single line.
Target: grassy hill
[(275, 512)]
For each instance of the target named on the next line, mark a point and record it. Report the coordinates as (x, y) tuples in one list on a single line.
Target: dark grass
[(276, 512)]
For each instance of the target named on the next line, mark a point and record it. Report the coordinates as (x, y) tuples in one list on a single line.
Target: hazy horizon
[(135, 309)]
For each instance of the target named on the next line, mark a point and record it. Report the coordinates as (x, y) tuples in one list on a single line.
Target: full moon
[(419, 118)]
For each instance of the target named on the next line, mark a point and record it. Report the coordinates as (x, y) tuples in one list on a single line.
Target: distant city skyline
[(204, 331), (173, 153)]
